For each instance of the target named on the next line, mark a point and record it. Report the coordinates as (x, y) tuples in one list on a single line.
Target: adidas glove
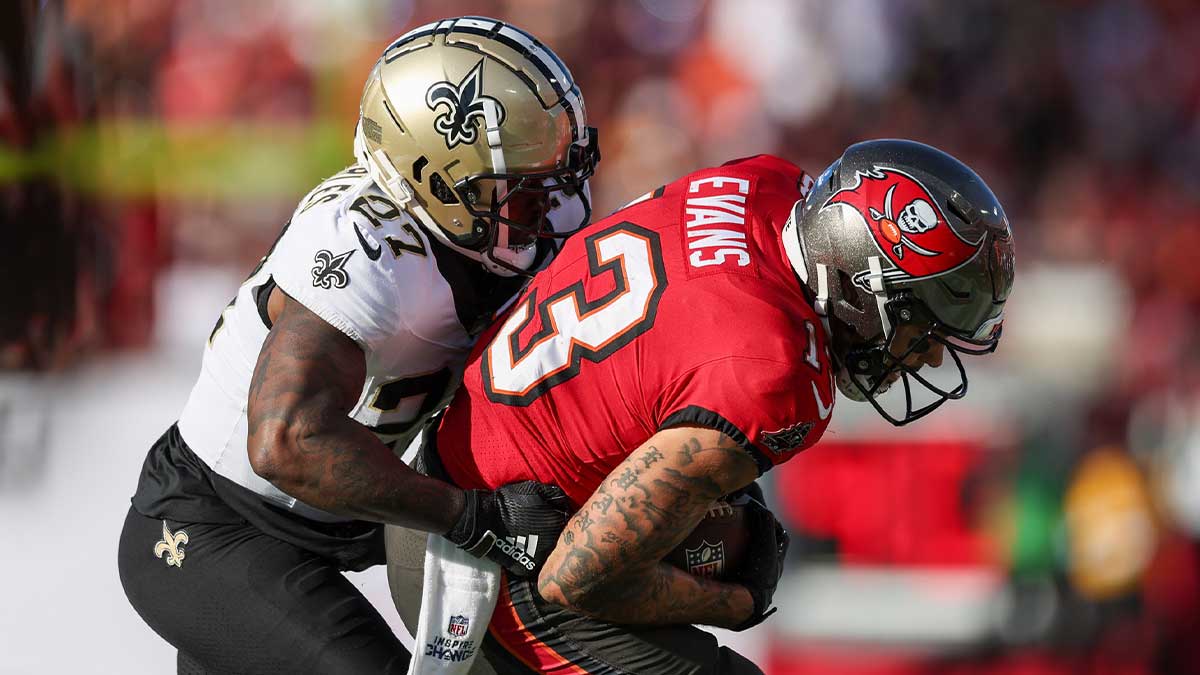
[(516, 526)]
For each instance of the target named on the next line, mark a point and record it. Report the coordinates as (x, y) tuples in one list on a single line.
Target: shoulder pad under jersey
[(362, 264)]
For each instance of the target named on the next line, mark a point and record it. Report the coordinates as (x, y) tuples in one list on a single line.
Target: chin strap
[(380, 167), (799, 261), (875, 279), (821, 303), (794, 250)]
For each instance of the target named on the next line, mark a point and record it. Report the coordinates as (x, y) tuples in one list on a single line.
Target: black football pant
[(241, 601)]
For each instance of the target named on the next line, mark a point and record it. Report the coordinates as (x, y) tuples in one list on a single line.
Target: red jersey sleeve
[(773, 408)]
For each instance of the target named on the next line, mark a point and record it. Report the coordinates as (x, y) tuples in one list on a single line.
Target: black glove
[(753, 491), (516, 526), (763, 565)]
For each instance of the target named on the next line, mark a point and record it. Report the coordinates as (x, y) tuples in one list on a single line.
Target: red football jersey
[(680, 308)]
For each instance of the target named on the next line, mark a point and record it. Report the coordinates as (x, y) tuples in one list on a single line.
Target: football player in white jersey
[(472, 155)]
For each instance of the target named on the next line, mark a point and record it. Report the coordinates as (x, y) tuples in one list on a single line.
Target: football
[(716, 547)]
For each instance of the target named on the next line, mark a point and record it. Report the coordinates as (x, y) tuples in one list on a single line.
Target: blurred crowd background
[(1049, 523)]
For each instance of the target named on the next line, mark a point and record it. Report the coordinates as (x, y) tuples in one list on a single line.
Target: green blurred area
[(140, 158)]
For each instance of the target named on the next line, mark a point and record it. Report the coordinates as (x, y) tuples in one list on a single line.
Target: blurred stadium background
[(151, 150)]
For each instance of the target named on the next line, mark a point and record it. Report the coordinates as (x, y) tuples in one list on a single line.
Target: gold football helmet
[(472, 125)]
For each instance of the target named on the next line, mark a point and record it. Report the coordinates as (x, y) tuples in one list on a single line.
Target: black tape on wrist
[(464, 530)]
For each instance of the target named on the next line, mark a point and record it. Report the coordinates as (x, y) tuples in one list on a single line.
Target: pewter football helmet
[(473, 126), (900, 233)]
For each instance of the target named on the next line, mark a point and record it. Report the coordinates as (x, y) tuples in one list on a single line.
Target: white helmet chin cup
[(520, 257), (846, 385), (570, 212)]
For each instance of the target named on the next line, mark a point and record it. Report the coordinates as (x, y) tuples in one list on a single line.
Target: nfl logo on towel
[(458, 625)]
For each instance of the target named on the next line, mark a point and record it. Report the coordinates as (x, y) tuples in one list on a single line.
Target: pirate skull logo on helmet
[(917, 217)]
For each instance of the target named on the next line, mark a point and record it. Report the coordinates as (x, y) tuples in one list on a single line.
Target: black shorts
[(529, 635), (238, 587)]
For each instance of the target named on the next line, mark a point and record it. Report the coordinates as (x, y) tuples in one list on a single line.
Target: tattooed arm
[(302, 439), (607, 562)]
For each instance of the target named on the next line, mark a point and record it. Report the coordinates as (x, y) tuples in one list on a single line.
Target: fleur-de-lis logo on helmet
[(171, 545), (465, 107)]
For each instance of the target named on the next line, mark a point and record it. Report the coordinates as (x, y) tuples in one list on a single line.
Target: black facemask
[(872, 367)]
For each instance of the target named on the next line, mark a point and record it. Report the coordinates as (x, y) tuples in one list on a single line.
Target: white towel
[(457, 601)]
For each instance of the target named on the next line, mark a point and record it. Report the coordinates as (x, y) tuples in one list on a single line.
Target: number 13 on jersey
[(518, 367)]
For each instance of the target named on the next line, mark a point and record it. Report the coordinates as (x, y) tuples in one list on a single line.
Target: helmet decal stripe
[(480, 22), (551, 65), (499, 164), (420, 31)]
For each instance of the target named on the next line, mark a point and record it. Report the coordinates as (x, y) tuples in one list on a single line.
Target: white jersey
[(364, 266)]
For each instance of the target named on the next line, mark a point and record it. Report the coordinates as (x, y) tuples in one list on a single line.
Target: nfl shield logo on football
[(706, 560), (458, 625)]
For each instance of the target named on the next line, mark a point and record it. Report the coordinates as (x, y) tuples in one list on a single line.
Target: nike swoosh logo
[(822, 409), (373, 252)]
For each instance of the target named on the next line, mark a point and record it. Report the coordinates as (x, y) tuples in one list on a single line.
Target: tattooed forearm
[(301, 438), (607, 564)]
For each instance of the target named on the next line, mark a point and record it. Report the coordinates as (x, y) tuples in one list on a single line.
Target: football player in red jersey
[(680, 348)]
